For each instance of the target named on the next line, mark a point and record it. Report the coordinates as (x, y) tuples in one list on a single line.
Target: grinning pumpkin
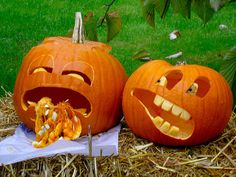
[(74, 71), (176, 105)]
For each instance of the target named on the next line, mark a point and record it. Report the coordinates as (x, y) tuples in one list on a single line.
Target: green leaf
[(90, 26), (113, 25), (228, 68), (182, 6), (203, 9), (148, 8), (162, 6), (142, 54)]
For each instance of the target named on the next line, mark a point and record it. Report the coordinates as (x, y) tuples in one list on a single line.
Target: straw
[(137, 157)]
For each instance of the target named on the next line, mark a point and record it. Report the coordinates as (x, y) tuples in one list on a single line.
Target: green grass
[(26, 23)]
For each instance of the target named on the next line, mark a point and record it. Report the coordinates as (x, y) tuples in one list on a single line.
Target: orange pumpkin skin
[(99, 92), (207, 112)]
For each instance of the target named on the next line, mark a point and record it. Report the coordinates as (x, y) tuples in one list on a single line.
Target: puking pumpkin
[(54, 121), (76, 69)]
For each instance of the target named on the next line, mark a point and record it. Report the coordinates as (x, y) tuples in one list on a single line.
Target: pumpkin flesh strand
[(54, 121)]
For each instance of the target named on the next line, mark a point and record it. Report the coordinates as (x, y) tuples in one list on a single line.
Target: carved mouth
[(75, 99), (168, 118)]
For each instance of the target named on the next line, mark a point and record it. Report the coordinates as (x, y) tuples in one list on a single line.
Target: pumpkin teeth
[(165, 127), (164, 115), (167, 106), (158, 121), (174, 131), (185, 115), (176, 110), (158, 100)]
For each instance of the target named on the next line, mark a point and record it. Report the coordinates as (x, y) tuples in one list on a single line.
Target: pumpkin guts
[(54, 121)]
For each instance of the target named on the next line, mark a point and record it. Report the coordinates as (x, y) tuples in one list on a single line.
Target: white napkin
[(19, 147)]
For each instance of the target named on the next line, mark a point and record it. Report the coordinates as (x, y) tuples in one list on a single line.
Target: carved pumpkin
[(176, 105), (83, 74)]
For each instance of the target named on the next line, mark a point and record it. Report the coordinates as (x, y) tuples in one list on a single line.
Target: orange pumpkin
[(176, 105), (83, 74)]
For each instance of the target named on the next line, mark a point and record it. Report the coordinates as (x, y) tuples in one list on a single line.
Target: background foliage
[(26, 24), (205, 9)]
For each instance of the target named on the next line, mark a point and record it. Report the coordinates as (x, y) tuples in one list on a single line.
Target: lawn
[(26, 23)]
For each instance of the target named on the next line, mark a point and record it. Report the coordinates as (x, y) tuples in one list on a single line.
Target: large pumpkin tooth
[(165, 127), (174, 131), (185, 115), (158, 121), (176, 110), (166, 105), (158, 100)]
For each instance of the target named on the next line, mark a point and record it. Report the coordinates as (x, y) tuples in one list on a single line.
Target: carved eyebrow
[(43, 61)]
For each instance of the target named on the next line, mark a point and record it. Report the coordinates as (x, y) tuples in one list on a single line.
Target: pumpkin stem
[(78, 33)]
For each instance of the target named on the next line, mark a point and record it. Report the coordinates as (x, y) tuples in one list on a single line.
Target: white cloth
[(18, 147)]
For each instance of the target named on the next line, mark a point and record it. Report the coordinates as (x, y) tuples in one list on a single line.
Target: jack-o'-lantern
[(176, 105), (82, 74)]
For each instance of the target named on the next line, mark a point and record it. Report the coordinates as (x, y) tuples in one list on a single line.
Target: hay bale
[(137, 157)]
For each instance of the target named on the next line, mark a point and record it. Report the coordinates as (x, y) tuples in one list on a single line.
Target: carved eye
[(42, 69), (193, 89), (78, 75), (162, 81), (170, 79), (200, 87)]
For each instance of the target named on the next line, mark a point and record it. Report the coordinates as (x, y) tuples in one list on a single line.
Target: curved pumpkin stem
[(78, 34)]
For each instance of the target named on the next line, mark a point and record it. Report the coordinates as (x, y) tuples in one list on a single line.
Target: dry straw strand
[(137, 157)]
